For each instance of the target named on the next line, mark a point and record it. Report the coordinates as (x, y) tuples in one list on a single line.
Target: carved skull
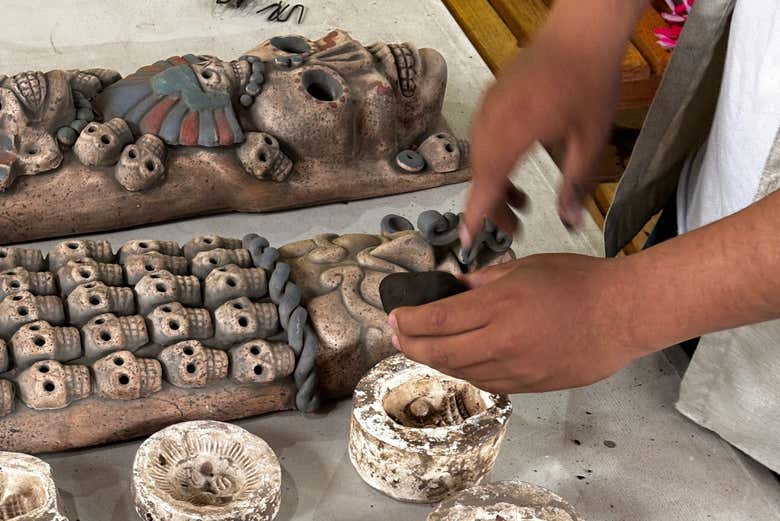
[(230, 282), (190, 365), (259, 361), (443, 153), (171, 323), (95, 298), (101, 144), (82, 271), (123, 376), (261, 156), (24, 307), (7, 398), (162, 287), (63, 252), (37, 152), (138, 266), (207, 261), (19, 279), (207, 243), (241, 319), (141, 165), (51, 385), (139, 247), (42, 341), (29, 259), (108, 333)]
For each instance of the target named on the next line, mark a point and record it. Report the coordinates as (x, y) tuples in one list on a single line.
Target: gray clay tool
[(415, 289)]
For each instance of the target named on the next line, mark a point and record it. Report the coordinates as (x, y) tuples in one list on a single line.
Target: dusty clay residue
[(431, 402)]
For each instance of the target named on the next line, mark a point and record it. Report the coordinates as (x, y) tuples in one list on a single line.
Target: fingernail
[(465, 237), (393, 321), (396, 343)]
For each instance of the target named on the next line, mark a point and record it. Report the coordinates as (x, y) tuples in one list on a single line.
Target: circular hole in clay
[(14, 284), (85, 273), (206, 75), (160, 287), (39, 341), (119, 361), (94, 300), (321, 85), (143, 245), (105, 139), (262, 157), (131, 153), (212, 260), (32, 151), (254, 350), (73, 245), (222, 270), (173, 325), (154, 276), (43, 368), (23, 311), (294, 44), (188, 351), (90, 285), (100, 321), (231, 282), (17, 298), (124, 379), (243, 322), (237, 305), (166, 309), (3, 254), (268, 140), (207, 240), (258, 369), (35, 327), (149, 267), (149, 164), (449, 148), (429, 402), (11, 273), (191, 368), (48, 386), (92, 130), (105, 336)]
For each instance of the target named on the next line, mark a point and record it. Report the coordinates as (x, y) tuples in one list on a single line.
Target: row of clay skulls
[(194, 315)]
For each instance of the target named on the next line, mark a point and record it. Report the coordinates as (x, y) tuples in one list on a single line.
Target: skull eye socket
[(94, 300), (131, 153), (191, 368), (166, 309), (173, 325), (149, 267), (105, 139), (243, 322), (3, 254), (206, 75), (449, 148), (73, 245), (231, 282), (119, 361), (268, 140), (32, 151), (48, 386), (16, 298), (35, 328), (92, 130), (292, 44), (258, 370), (105, 336), (207, 240), (15, 284), (254, 350), (237, 305), (23, 311), (143, 245), (188, 351), (43, 369), (262, 157), (124, 379), (321, 86), (149, 164), (100, 321), (84, 273), (39, 341), (161, 288)]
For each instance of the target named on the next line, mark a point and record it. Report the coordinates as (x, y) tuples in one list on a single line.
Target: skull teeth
[(405, 63)]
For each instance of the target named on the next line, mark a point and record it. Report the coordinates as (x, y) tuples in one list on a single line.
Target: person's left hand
[(540, 323)]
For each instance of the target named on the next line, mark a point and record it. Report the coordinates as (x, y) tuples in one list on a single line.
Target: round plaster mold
[(27, 490), (418, 435), (507, 500), (206, 471)]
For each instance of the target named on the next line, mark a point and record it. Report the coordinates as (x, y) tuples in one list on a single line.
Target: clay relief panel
[(293, 122)]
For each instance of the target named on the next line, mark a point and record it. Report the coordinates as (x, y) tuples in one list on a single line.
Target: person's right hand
[(563, 88)]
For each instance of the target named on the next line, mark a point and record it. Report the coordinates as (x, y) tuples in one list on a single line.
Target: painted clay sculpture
[(294, 122), (27, 489), (206, 471), (418, 435), (507, 500), (289, 327)]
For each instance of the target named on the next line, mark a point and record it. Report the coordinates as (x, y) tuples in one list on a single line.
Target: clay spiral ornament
[(442, 230), (293, 319)]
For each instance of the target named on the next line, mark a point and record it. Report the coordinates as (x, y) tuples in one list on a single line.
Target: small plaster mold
[(418, 435), (507, 501), (27, 490), (206, 471)]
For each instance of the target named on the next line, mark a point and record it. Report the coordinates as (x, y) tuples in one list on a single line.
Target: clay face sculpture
[(27, 490), (418, 435), (508, 500), (206, 471), (293, 122), (296, 324)]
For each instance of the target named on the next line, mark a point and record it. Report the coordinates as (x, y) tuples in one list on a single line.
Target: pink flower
[(677, 16)]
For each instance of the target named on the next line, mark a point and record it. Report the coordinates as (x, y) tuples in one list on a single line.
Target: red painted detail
[(188, 135), (329, 41), (223, 128), (7, 158), (177, 60), (380, 87), (152, 121)]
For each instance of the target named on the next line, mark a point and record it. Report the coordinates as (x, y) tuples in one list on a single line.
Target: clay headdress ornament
[(168, 100)]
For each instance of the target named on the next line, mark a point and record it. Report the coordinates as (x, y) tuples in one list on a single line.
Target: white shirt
[(722, 177)]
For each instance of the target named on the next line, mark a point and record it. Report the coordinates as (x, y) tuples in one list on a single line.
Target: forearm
[(721, 276)]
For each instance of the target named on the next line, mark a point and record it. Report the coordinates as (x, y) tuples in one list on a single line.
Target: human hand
[(541, 323), (563, 88)]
